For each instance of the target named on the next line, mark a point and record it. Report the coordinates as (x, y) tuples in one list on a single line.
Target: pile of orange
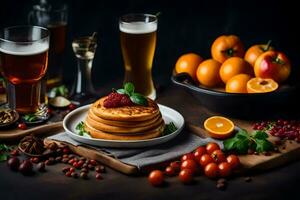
[(259, 69)]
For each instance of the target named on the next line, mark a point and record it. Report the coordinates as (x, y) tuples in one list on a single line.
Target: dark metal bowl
[(248, 106)]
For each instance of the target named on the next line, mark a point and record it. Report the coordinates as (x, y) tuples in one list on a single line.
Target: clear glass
[(23, 63), (54, 18), (84, 49), (138, 42)]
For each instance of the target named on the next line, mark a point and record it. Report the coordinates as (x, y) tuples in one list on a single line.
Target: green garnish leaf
[(59, 91), (121, 91), (3, 157), (81, 130), (169, 128), (243, 141), (260, 135), (4, 152), (4, 147), (129, 87), (242, 146), (135, 97), (30, 117), (230, 143), (139, 99), (263, 145)]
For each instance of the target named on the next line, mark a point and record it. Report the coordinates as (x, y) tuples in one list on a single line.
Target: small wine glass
[(84, 49)]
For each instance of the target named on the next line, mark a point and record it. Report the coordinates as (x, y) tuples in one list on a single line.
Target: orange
[(188, 63), (226, 46), (208, 73), (238, 84), (260, 85), (234, 66), (219, 127)]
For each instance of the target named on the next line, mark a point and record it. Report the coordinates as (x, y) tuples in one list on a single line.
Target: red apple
[(274, 65)]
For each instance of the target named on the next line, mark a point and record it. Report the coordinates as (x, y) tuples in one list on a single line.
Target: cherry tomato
[(218, 156), (199, 152), (189, 164), (205, 159), (188, 156), (211, 170), (224, 169), (170, 171), (156, 178), (175, 165), (72, 106), (233, 160), (211, 146), (186, 176), (49, 111), (22, 126)]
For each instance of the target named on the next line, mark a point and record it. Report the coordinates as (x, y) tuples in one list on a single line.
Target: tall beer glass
[(138, 41), (54, 18), (23, 63)]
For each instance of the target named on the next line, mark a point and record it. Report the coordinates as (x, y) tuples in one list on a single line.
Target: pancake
[(130, 124), (108, 136), (123, 130), (126, 113)]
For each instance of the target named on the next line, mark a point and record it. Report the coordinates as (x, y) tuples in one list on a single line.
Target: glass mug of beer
[(23, 63), (54, 18), (138, 41)]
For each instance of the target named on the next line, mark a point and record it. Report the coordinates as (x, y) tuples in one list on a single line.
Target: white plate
[(79, 114)]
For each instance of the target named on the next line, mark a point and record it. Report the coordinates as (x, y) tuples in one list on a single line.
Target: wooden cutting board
[(15, 134), (288, 151)]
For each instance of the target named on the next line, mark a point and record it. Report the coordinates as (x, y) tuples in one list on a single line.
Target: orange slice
[(219, 127), (260, 85)]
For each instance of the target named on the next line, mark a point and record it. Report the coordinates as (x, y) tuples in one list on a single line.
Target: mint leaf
[(121, 91), (4, 147), (3, 157), (242, 134), (230, 143), (30, 118), (129, 87), (4, 152), (260, 135), (59, 91), (169, 128), (139, 99), (263, 145), (242, 146), (80, 128), (243, 141)]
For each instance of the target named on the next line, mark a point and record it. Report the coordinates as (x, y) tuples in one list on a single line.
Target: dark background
[(184, 26)]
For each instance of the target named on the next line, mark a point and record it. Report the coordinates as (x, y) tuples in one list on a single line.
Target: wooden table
[(275, 184)]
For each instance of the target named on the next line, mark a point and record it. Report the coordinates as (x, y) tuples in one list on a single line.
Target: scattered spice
[(32, 145), (248, 179)]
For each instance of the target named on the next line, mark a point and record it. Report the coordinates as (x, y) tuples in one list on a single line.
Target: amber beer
[(138, 41), (23, 63), (56, 52)]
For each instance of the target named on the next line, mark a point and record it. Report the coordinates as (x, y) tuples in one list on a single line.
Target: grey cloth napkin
[(140, 157)]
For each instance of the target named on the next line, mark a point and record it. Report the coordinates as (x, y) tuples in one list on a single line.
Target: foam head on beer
[(138, 27), (24, 50)]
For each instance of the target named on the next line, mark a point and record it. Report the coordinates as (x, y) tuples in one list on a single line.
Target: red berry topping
[(115, 100)]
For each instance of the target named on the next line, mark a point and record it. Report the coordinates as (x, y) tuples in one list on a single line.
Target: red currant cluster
[(284, 129)]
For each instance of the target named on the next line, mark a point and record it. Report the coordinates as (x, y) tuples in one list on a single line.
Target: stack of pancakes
[(124, 123)]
